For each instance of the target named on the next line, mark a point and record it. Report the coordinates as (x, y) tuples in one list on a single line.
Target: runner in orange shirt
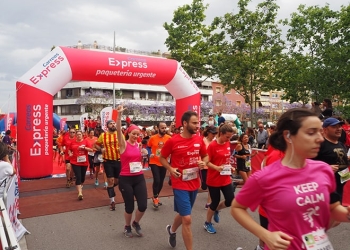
[(155, 144)]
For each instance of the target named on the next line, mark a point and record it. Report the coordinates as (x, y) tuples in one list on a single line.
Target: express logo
[(52, 63), (131, 62)]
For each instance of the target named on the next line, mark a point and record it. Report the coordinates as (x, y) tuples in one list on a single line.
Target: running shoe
[(172, 237), (91, 176), (258, 248), (155, 202), (96, 183), (216, 216), (209, 228), (112, 206), (127, 232), (137, 228), (80, 197), (207, 206)]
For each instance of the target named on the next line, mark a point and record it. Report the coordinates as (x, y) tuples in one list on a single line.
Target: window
[(152, 96), (142, 95), (169, 97), (205, 98), (70, 93), (274, 95), (238, 103), (228, 91), (217, 103), (70, 110), (108, 92), (127, 94), (217, 90), (228, 103)]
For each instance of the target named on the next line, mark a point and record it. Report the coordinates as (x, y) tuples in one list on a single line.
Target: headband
[(132, 127)]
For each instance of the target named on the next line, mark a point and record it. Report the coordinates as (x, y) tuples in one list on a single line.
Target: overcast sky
[(28, 29)]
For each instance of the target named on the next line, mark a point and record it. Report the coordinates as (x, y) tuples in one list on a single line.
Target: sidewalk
[(99, 228)]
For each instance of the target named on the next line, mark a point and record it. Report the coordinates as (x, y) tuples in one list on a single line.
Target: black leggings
[(79, 172), (91, 162), (133, 186), (158, 178), (214, 192), (204, 179)]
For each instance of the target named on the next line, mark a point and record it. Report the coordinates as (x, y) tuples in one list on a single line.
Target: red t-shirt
[(219, 154), (66, 143), (185, 153), (80, 156)]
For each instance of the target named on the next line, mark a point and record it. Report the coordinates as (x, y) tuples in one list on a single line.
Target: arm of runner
[(173, 171), (274, 240), (339, 212)]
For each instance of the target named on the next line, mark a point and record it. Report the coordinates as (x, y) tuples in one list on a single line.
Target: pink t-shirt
[(218, 155), (296, 201), (185, 153), (131, 156)]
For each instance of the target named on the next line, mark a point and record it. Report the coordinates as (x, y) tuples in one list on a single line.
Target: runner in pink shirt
[(296, 193)]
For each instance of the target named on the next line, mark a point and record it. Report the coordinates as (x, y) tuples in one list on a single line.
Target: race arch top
[(36, 88)]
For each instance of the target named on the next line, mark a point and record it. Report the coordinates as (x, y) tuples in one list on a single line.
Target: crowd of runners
[(299, 192)]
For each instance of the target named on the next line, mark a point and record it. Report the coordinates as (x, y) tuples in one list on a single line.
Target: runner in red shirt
[(188, 156), (78, 152), (91, 140), (67, 139), (219, 175)]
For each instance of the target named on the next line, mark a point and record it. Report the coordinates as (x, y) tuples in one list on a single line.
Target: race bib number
[(248, 164), (344, 175), (81, 158), (135, 167), (158, 152), (190, 174), (100, 158), (226, 170), (317, 240), (91, 153)]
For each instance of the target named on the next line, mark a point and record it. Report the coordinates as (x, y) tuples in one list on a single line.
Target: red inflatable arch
[(36, 88)]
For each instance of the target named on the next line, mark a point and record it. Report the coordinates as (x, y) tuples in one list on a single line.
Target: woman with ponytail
[(296, 193)]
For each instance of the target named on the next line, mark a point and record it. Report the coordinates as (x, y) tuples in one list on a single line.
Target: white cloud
[(28, 29)]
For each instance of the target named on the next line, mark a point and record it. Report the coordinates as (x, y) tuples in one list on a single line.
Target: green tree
[(311, 40), (187, 40), (249, 46)]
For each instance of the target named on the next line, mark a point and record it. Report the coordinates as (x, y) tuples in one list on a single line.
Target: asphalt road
[(99, 228)]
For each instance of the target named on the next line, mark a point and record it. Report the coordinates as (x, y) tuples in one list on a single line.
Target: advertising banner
[(106, 114), (12, 206)]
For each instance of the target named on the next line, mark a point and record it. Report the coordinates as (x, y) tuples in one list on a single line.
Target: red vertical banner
[(257, 160), (114, 115)]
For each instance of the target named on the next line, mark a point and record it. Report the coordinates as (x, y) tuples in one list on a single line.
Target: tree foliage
[(94, 101), (187, 40), (249, 46)]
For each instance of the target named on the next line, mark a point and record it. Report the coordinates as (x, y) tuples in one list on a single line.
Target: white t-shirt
[(6, 170)]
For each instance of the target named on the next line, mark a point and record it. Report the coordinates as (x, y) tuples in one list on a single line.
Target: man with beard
[(332, 151), (188, 156), (155, 144), (107, 143)]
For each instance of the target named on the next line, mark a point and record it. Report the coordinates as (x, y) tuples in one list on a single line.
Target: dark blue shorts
[(183, 201)]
